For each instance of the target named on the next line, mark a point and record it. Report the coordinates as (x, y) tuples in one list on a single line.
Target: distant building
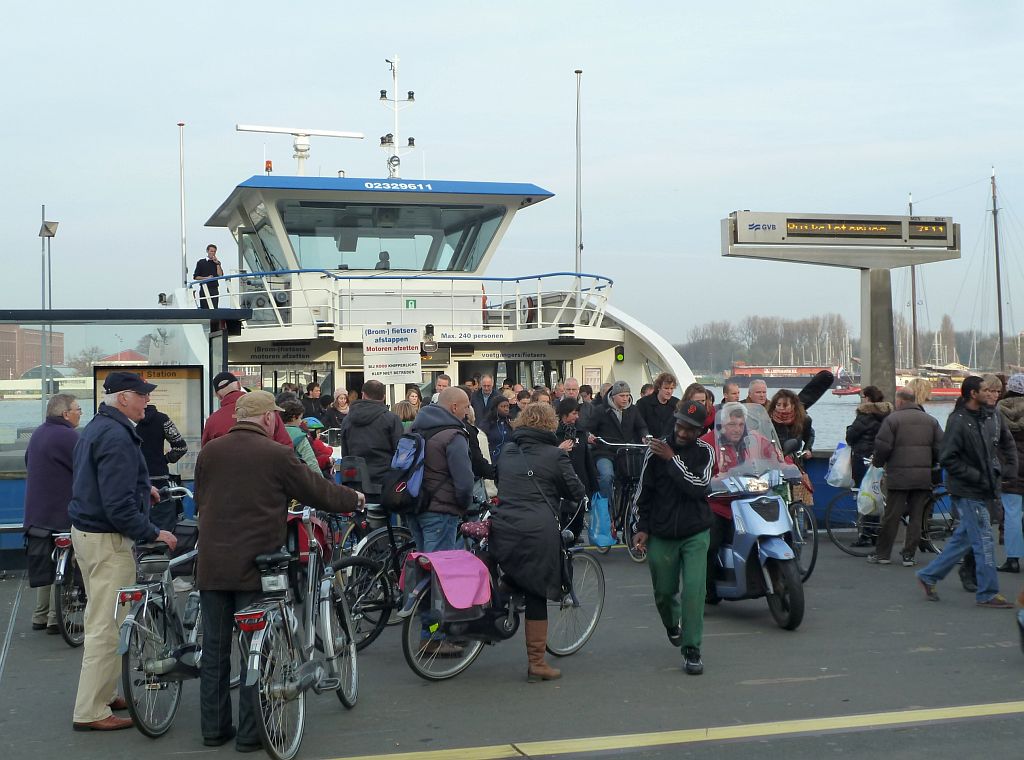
[(128, 356), (21, 349)]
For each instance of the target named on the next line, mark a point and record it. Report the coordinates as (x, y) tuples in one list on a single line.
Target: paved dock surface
[(874, 671)]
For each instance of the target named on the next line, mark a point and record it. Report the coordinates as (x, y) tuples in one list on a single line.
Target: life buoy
[(529, 310)]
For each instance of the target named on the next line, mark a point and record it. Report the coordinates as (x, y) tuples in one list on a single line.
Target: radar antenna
[(301, 141), (390, 141)]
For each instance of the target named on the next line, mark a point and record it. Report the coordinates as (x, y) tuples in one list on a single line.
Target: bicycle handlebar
[(170, 492), (625, 445)]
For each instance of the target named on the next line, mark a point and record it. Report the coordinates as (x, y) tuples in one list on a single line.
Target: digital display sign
[(927, 230), (843, 228)]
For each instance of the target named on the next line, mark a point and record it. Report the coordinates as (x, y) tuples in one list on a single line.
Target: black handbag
[(39, 557)]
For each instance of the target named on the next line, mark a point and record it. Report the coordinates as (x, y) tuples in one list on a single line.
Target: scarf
[(784, 418)]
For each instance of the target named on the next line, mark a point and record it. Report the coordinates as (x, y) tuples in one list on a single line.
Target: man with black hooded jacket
[(371, 431), (673, 524)]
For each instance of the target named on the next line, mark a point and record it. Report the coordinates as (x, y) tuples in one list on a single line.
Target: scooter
[(759, 560)]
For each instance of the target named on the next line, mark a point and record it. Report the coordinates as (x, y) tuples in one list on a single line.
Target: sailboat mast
[(999, 280), (914, 352)]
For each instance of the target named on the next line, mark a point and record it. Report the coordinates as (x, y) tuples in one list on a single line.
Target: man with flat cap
[(673, 524), (109, 510), (242, 514), (229, 390)]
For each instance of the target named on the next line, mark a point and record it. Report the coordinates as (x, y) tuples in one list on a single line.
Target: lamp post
[(47, 231)]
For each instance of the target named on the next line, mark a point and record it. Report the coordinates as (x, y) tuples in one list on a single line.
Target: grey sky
[(687, 115)]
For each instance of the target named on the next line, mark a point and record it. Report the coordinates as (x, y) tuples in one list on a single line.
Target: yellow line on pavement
[(710, 734)]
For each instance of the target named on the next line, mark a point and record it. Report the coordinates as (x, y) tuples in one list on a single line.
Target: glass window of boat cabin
[(381, 236)]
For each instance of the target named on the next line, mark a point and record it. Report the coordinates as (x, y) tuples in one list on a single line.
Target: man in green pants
[(673, 518)]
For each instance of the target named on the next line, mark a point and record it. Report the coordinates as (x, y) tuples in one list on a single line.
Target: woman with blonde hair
[(534, 475), (406, 412), (334, 415)]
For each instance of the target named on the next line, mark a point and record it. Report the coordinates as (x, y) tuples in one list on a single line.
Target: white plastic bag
[(840, 468), (870, 500)]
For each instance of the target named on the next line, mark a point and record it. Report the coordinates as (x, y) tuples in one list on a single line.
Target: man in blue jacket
[(109, 510)]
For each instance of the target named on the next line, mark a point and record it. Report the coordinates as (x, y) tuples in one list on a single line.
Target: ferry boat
[(322, 260)]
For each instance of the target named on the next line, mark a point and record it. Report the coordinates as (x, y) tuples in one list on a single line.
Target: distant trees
[(712, 347), (84, 359)]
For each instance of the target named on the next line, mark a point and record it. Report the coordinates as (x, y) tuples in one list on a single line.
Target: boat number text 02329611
[(397, 186)]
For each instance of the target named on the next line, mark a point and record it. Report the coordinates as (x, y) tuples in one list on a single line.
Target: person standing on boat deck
[(228, 389), (975, 441), (658, 408), (907, 446), (48, 465), (674, 524), (383, 260), (109, 511), (757, 393), (1012, 408), (205, 269), (155, 429), (481, 400)]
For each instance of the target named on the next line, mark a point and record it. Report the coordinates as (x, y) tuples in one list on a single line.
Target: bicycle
[(69, 591), (437, 648), (805, 525), (629, 459), (282, 660), (857, 534)]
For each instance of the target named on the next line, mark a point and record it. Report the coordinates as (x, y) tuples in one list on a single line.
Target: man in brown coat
[(244, 480)]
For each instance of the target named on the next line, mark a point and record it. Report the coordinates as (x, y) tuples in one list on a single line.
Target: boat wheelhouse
[(320, 260)]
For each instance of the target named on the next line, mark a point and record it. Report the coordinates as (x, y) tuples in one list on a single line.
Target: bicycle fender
[(126, 627), (773, 547), (252, 674)]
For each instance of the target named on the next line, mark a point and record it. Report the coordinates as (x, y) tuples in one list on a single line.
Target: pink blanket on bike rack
[(464, 578)]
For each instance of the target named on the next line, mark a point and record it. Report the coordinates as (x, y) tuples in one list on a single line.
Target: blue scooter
[(759, 560)]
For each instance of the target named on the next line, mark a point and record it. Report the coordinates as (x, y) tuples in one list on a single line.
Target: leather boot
[(1012, 565), (536, 638)]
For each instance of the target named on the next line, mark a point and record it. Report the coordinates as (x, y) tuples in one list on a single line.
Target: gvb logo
[(757, 226)]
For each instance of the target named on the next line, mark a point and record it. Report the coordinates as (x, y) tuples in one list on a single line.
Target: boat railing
[(285, 298)]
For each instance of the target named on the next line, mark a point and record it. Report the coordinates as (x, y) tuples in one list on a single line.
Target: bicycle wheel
[(430, 652), (281, 706), (69, 600), (848, 529), (378, 547), (629, 529), (939, 520), (370, 598), (345, 667), (570, 625), (805, 538), (152, 699)]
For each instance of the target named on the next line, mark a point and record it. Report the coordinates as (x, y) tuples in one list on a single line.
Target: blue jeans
[(434, 532), (605, 477), (1013, 532), (974, 531)]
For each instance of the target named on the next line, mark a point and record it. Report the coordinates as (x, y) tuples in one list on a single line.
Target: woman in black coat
[(572, 439), (860, 435), (533, 476)]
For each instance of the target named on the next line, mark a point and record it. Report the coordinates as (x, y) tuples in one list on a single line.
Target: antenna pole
[(579, 192), (914, 351), (999, 280), (181, 202)]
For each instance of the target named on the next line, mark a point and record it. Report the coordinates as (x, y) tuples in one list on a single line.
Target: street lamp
[(47, 231)]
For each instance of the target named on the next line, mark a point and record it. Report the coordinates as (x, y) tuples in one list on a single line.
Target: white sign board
[(391, 354)]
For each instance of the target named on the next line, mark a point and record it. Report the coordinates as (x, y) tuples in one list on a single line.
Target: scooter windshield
[(745, 441)]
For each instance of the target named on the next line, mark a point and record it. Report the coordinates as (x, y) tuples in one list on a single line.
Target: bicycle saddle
[(151, 548), (267, 561)]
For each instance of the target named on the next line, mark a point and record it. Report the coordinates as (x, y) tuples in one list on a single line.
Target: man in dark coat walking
[(907, 446), (674, 521)]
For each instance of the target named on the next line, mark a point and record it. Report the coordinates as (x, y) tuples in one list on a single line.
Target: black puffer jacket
[(860, 434), (907, 446), (671, 499), (1012, 408), (371, 431), (581, 457), (976, 447), (525, 535)]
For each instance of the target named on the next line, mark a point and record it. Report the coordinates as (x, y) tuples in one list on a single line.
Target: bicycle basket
[(629, 463)]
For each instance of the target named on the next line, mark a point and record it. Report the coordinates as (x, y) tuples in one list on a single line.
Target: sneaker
[(862, 541), (691, 661), (675, 635), (874, 559), (997, 602), (908, 560), (929, 590)]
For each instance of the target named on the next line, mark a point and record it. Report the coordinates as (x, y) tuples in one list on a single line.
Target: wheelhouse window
[(341, 235)]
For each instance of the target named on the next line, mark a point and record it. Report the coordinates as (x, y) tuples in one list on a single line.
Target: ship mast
[(915, 355), (390, 141), (999, 281)]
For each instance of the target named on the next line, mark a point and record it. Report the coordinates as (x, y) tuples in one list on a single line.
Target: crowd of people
[(540, 451)]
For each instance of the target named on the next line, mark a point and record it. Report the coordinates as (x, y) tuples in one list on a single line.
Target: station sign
[(391, 354), (769, 228)]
